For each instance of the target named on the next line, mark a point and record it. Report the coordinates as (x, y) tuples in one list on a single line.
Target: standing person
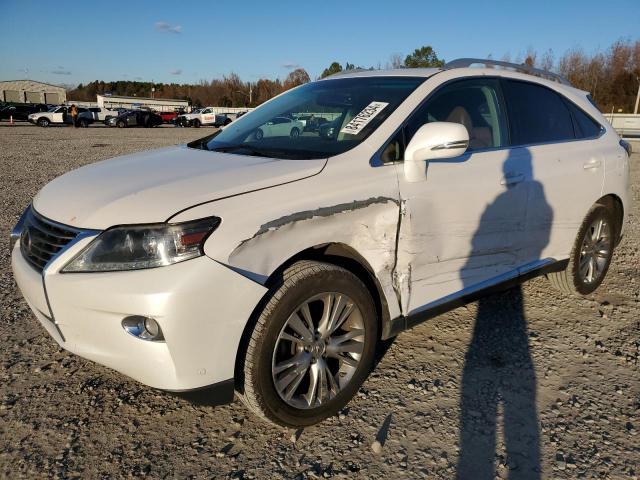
[(74, 115)]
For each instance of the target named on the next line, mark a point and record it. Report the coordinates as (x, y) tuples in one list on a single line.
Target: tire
[(43, 122), (120, 124), (83, 123), (195, 123), (268, 348), (295, 132), (227, 122), (576, 280), (259, 134)]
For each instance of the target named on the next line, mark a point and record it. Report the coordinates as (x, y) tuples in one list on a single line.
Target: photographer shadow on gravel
[(499, 375)]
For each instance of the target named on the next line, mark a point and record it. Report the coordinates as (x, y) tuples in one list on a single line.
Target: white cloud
[(61, 72), (165, 27), (290, 65), (177, 71)]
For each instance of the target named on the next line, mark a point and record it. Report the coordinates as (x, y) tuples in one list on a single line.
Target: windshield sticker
[(361, 120)]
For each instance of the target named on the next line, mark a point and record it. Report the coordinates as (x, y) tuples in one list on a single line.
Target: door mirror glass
[(433, 141)]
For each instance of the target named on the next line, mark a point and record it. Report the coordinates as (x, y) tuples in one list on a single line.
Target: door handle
[(512, 179), (592, 164)]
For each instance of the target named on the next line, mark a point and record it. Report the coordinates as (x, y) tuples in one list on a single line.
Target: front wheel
[(259, 134), (295, 132), (311, 347), (120, 124), (43, 122), (591, 254), (196, 123)]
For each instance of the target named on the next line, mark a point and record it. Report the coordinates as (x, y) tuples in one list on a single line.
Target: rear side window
[(537, 114), (585, 126)]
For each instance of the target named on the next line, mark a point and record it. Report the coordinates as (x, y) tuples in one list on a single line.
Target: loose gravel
[(530, 382)]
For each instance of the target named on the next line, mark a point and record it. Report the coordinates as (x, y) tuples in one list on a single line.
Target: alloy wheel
[(595, 251), (318, 350)]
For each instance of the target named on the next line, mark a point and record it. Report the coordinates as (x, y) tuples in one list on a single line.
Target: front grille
[(41, 239)]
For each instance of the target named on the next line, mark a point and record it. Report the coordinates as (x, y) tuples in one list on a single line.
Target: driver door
[(58, 115), (462, 225)]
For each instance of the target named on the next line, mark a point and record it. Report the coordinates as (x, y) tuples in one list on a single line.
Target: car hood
[(152, 186)]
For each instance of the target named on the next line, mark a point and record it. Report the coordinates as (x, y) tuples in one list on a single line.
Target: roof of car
[(395, 72), (464, 71)]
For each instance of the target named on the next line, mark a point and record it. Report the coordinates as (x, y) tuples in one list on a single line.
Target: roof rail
[(467, 62)]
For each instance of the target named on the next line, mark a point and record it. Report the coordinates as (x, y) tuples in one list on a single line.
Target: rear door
[(567, 167)]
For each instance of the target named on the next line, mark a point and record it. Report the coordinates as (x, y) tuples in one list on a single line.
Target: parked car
[(136, 118), (97, 114), (329, 129), (203, 117), (59, 115), (168, 117), (279, 127), (274, 266), (21, 111)]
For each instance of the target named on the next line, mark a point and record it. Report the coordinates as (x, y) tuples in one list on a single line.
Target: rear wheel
[(120, 124), (259, 134), (84, 123), (195, 123), (312, 346), (591, 254), (295, 132)]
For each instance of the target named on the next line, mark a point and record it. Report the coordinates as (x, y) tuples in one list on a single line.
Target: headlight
[(136, 247)]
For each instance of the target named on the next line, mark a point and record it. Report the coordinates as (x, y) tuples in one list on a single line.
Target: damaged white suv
[(271, 266)]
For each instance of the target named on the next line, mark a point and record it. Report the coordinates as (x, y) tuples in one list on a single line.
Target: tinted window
[(473, 103), (584, 125), (537, 114)]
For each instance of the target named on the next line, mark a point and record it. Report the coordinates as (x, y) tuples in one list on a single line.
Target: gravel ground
[(552, 380)]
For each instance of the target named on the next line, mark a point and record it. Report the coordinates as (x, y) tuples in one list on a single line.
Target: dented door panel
[(461, 227)]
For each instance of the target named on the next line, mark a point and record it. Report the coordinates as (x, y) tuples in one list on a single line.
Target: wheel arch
[(614, 202), (338, 254)]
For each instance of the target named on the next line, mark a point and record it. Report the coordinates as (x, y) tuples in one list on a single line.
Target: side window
[(474, 103), (537, 114), (585, 126)]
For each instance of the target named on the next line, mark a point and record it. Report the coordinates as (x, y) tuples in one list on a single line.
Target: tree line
[(612, 77)]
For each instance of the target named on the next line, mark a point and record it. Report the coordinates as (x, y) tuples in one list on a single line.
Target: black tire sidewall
[(340, 281), (295, 132), (596, 212), (259, 134)]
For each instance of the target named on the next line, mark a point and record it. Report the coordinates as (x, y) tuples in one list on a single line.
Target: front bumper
[(201, 306)]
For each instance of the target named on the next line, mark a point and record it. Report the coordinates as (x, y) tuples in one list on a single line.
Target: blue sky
[(68, 42)]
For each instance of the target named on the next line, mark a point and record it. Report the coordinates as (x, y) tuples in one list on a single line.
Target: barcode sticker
[(361, 120)]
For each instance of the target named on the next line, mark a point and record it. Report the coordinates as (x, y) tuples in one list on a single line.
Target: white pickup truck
[(202, 117)]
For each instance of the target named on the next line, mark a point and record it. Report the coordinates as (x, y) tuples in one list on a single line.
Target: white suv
[(272, 265)]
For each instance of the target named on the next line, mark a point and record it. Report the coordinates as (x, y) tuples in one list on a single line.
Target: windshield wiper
[(245, 150)]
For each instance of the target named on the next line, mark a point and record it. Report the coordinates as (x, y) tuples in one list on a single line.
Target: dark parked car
[(21, 111), (136, 118)]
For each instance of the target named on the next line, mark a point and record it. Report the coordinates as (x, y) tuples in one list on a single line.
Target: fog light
[(145, 328)]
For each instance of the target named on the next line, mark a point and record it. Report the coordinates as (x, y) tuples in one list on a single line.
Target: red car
[(168, 117)]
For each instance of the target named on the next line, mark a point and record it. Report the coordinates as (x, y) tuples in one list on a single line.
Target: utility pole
[(635, 110)]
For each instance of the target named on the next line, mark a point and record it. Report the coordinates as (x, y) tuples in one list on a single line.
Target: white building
[(30, 91), (157, 104)]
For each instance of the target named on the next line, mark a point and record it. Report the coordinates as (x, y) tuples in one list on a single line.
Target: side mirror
[(433, 141)]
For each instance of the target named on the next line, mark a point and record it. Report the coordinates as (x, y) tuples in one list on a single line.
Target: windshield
[(316, 120)]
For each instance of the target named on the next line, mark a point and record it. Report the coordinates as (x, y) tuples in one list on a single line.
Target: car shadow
[(499, 378)]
